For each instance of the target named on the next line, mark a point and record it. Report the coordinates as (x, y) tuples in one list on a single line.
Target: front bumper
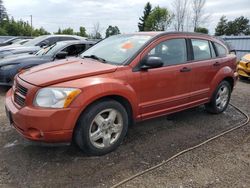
[(37, 124)]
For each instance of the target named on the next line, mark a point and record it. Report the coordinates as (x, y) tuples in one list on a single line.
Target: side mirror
[(232, 52), (151, 63), (61, 55)]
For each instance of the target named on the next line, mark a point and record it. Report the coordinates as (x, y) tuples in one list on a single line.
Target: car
[(21, 41), (13, 40), (35, 44), (243, 67), (9, 67), (119, 81)]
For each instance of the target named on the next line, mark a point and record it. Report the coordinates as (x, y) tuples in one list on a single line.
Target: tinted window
[(220, 50), (201, 49), (76, 49), (171, 52)]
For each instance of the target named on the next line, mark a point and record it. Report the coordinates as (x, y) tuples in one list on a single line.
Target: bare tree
[(97, 31), (198, 13), (180, 8)]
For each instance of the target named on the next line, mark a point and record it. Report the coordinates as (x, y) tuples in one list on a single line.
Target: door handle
[(216, 64), (185, 69)]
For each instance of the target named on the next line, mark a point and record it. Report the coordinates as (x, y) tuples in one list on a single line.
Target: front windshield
[(51, 50), (35, 41), (117, 49)]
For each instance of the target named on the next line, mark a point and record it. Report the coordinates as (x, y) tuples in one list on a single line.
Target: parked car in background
[(13, 40), (243, 67), (36, 44), (4, 38), (121, 80), (9, 67), (21, 42)]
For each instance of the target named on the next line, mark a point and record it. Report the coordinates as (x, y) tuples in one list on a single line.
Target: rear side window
[(221, 50), (201, 49), (171, 52)]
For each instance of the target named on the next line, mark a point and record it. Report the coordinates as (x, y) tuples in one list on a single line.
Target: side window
[(220, 50), (212, 50), (171, 52), (201, 49), (74, 50)]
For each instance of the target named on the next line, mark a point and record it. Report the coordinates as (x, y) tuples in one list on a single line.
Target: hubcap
[(222, 97), (106, 128)]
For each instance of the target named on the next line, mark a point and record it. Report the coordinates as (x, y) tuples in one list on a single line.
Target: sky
[(52, 14)]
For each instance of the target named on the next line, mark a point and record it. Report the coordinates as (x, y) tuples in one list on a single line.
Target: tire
[(243, 78), (220, 98), (101, 128)]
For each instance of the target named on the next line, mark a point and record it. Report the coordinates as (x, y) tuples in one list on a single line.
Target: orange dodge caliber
[(92, 100)]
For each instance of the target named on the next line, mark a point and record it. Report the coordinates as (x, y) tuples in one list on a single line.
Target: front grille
[(20, 93), (22, 90), (19, 100)]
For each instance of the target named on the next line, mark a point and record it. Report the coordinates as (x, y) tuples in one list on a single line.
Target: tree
[(40, 31), (96, 31), (221, 26), (201, 30), (146, 13), (82, 32), (158, 20), (180, 14), (238, 26), (198, 13), (3, 13), (112, 31)]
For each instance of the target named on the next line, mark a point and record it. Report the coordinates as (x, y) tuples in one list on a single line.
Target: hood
[(65, 70)]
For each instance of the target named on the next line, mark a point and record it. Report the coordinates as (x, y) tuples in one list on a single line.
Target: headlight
[(7, 67), (55, 97)]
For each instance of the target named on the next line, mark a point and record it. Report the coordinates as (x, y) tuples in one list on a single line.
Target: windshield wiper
[(96, 58)]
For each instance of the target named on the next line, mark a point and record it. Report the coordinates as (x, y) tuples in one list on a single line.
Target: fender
[(220, 75), (94, 88)]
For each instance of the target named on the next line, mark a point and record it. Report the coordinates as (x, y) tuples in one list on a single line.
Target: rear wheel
[(102, 127), (220, 98)]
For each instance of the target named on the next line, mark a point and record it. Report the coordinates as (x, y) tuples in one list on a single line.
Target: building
[(239, 43)]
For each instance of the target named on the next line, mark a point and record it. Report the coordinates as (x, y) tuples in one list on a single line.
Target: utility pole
[(31, 22)]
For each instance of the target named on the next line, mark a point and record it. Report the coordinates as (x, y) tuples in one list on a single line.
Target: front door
[(165, 89)]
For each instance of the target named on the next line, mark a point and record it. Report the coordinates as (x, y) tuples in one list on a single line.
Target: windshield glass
[(117, 49), (35, 41), (51, 50)]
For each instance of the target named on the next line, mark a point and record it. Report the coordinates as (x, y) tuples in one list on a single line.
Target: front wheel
[(220, 98), (102, 127)]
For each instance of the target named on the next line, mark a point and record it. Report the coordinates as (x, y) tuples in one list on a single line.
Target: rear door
[(205, 65)]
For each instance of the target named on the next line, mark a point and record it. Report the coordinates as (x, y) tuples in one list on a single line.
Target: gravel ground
[(221, 163)]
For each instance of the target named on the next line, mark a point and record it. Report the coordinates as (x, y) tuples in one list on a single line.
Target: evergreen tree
[(221, 27), (158, 20), (146, 13)]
